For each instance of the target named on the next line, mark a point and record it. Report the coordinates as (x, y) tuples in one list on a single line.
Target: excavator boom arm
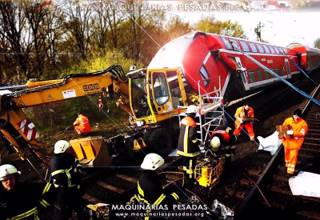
[(71, 86)]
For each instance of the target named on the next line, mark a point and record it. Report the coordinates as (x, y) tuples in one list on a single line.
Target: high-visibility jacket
[(82, 124), (188, 143), (243, 114), (300, 129), (63, 171), (150, 192), (21, 202), (226, 137)]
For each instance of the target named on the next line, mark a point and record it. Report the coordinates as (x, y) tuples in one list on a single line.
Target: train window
[(244, 46), (272, 50), (284, 50), (266, 49), (160, 88), (226, 43), (204, 75), (172, 79), (277, 51), (235, 45), (281, 50), (251, 76), (268, 75), (260, 48), (259, 75), (253, 47)]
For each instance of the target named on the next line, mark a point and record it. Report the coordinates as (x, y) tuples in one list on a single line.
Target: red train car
[(218, 60), (309, 58)]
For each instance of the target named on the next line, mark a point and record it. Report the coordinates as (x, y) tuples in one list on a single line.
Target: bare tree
[(108, 17), (12, 27), (134, 11), (37, 17), (55, 29), (317, 43), (79, 25)]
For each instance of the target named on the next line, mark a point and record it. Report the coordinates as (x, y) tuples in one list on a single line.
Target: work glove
[(289, 132)]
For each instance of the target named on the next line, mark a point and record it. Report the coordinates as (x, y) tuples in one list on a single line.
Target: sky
[(280, 27)]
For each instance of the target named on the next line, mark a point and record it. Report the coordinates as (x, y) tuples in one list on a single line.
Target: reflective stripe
[(175, 196), (26, 214), (185, 139), (58, 172), (67, 172), (140, 190), (141, 199), (44, 203), (160, 199), (187, 154), (46, 188)]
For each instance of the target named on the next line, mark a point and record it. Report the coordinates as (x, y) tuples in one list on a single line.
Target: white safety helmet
[(61, 146), (7, 170), (215, 143), (191, 109), (152, 161)]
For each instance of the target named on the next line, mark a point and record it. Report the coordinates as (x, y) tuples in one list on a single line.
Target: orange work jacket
[(82, 124), (300, 129), (241, 113)]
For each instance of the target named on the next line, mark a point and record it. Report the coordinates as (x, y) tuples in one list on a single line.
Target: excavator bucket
[(91, 151)]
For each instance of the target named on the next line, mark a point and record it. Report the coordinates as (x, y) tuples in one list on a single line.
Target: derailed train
[(220, 61), (191, 64)]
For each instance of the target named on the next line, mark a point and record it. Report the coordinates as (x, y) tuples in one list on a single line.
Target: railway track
[(235, 190), (271, 194)]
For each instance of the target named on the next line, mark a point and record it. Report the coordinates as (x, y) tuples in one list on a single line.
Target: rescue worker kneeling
[(221, 143), (149, 186), (296, 128), (188, 146), (63, 189), (18, 200)]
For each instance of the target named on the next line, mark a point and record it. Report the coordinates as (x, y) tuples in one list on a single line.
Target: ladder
[(211, 113)]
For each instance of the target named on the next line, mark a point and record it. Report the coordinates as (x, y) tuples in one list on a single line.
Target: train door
[(287, 67), (167, 90)]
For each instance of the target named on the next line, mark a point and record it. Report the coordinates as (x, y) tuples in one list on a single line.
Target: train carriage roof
[(172, 53)]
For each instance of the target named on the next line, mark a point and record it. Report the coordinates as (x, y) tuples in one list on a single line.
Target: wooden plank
[(127, 178), (91, 199), (110, 187)]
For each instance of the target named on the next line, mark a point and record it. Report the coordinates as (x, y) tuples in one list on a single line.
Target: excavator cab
[(155, 95)]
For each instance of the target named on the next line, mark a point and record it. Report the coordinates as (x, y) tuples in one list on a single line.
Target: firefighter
[(149, 185), (222, 138), (188, 144), (65, 181), (295, 130), (82, 125), (222, 142), (17, 200), (244, 118)]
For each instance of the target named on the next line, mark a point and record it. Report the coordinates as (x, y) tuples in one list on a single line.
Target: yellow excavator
[(151, 98)]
